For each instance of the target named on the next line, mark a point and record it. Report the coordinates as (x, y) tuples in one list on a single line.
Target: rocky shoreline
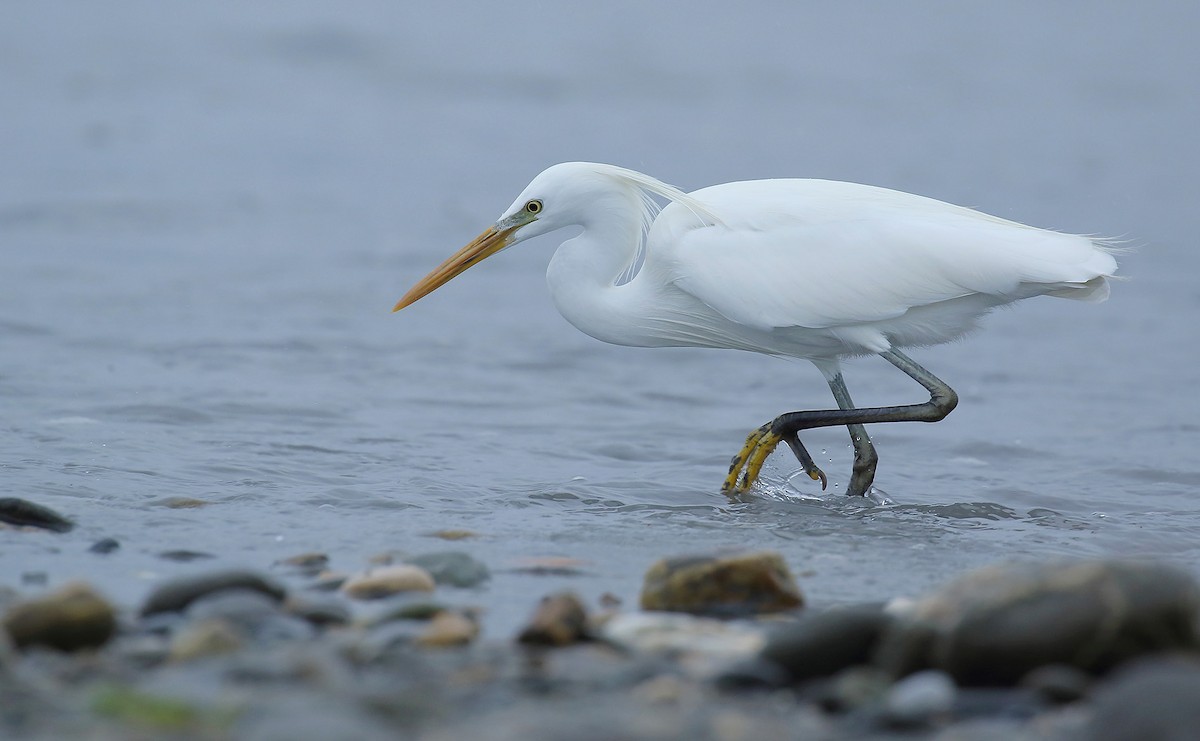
[(720, 646)]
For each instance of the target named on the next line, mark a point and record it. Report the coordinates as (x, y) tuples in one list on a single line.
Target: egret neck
[(582, 275)]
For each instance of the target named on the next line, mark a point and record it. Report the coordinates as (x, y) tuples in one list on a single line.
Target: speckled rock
[(387, 581), (72, 618), (742, 584), (995, 625)]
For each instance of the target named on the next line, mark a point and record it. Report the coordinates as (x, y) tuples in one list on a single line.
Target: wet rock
[(305, 564), (180, 503), (449, 628), (919, 699), (322, 612), (559, 620), (733, 585), (550, 566), (184, 556), (74, 617), (387, 581), (255, 614), (1149, 699), (819, 644), (995, 625), (205, 638), (453, 568), (451, 534), (854, 688), (1058, 683), (24, 513), (104, 546), (679, 634), (177, 594), (409, 611)]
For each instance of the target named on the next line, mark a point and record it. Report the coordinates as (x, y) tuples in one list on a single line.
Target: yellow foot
[(747, 464)]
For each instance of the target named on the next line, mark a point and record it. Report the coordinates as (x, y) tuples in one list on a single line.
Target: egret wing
[(820, 254)]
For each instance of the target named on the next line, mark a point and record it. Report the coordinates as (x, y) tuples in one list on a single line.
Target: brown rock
[(559, 620), (72, 618), (735, 585), (389, 580)]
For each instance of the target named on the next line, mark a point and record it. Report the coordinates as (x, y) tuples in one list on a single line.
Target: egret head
[(566, 194)]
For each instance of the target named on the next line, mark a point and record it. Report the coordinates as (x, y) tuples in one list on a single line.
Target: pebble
[(305, 564), (679, 633), (453, 568), (919, 699), (204, 638), (178, 593), (387, 581), (24, 513), (449, 628), (560, 619), (104, 546), (743, 584), (71, 618)]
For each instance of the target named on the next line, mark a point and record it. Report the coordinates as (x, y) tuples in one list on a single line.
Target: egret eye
[(533, 207)]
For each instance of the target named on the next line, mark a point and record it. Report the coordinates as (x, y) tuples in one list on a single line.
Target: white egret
[(812, 269)]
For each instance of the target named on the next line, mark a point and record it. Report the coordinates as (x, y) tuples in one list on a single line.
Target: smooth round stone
[(178, 593), (387, 581), (1150, 699), (919, 699), (822, 643), (453, 568), (24, 513), (72, 618), (448, 629), (993, 626)]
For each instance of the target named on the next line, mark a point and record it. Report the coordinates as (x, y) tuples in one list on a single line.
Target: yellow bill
[(480, 248)]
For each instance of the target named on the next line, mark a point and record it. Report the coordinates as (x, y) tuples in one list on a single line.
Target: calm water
[(206, 214)]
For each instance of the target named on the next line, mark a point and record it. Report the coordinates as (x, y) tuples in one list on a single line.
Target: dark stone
[(1152, 700), (995, 625), (179, 593), (819, 644), (744, 584), (453, 568), (752, 674), (321, 612), (185, 556), (17, 511), (70, 619), (559, 620), (1057, 683), (104, 546)]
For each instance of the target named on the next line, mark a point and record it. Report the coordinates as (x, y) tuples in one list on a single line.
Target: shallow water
[(205, 217)]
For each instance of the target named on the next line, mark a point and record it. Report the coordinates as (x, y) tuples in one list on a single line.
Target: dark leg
[(865, 457), (785, 427)]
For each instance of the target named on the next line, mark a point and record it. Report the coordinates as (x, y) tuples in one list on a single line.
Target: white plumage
[(813, 269)]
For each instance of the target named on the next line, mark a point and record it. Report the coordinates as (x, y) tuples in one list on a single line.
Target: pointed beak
[(483, 246)]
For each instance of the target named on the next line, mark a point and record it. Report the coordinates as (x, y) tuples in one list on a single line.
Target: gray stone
[(24, 513), (821, 643), (997, 624), (919, 699), (1148, 700), (177, 594), (453, 568)]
